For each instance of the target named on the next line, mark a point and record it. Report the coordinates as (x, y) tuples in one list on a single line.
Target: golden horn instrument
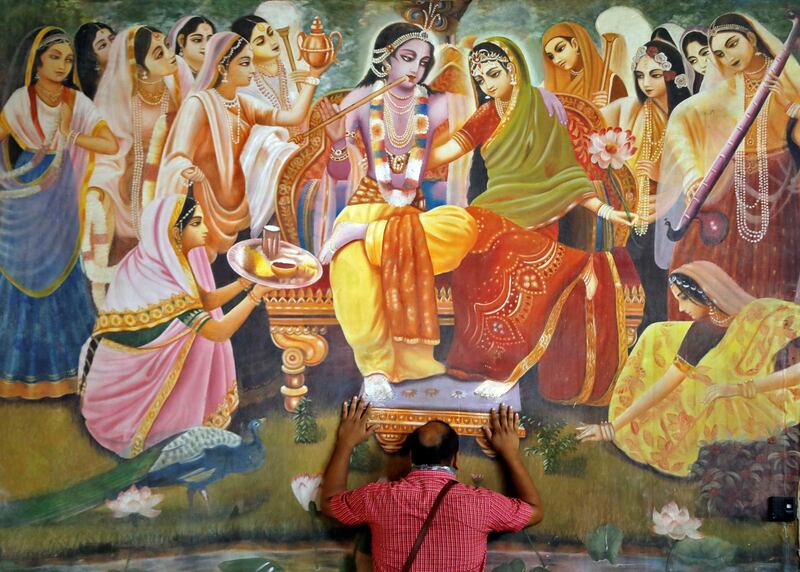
[(302, 136)]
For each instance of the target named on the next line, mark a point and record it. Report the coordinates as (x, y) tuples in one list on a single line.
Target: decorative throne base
[(436, 398)]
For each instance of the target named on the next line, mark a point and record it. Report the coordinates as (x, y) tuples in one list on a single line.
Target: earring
[(97, 67), (36, 76), (513, 79), (144, 75), (387, 67), (225, 76)]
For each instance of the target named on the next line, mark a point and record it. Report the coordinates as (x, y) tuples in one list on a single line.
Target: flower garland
[(377, 129)]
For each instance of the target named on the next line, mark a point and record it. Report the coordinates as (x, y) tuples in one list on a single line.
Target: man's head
[(435, 443)]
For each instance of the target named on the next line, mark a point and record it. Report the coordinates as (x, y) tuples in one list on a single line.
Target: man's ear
[(454, 464)]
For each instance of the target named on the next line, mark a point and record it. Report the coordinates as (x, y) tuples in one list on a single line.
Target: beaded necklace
[(740, 175), (139, 151), (651, 151), (413, 171), (231, 104), (280, 98)]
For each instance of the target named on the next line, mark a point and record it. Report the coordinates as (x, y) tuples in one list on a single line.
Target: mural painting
[(219, 220)]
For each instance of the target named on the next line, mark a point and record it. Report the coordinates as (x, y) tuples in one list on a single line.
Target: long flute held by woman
[(735, 139), (301, 136)]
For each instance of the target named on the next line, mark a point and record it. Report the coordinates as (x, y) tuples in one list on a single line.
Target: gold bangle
[(748, 389), (254, 299)]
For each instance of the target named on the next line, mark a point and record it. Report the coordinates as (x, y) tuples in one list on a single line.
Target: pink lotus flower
[(135, 501), (611, 147), (676, 523), (306, 489)]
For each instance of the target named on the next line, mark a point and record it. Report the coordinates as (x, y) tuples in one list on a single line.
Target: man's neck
[(443, 468)]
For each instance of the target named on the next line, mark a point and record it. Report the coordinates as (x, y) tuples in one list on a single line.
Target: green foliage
[(708, 553), (250, 565), (604, 542), (305, 423), (518, 565), (551, 445), (363, 459), (19, 18), (515, 565)]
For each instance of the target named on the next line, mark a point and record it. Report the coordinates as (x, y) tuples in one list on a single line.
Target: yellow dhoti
[(358, 289)]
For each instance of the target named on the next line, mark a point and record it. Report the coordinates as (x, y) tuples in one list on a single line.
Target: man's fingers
[(367, 409), (344, 409), (353, 405), (487, 431), (494, 423)]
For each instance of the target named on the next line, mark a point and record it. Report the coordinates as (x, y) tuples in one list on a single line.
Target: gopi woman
[(661, 84), (160, 360), (50, 134), (139, 94), (717, 377), (573, 65), (92, 46), (189, 38), (268, 146), (694, 45), (212, 129), (754, 235)]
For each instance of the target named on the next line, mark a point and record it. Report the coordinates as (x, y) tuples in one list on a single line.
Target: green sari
[(534, 177)]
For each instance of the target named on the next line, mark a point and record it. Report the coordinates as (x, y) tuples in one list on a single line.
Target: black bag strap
[(426, 525)]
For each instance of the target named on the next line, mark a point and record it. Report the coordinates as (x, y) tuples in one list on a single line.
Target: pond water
[(326, 560)]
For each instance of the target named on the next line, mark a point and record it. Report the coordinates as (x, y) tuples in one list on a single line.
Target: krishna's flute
[(301, 136)]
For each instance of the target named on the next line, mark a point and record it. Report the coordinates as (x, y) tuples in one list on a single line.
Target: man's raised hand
[(502, 430), (354, 427)]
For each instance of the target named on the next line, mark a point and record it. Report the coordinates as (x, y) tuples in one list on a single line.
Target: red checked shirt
[(456, 539)]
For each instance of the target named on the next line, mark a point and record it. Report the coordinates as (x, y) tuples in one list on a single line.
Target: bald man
[(428, 520)]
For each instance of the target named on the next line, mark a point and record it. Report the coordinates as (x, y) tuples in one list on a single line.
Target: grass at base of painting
[(260, 506)]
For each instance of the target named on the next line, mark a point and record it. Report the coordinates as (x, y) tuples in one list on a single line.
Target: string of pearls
[(399, 140), (231, 104), (651, 151), (280, 98), (740, 182), (139, 156)]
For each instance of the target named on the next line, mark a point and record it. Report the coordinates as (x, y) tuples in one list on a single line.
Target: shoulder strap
[(426, 525)]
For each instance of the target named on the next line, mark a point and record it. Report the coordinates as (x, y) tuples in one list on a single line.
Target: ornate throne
[(299, 318)]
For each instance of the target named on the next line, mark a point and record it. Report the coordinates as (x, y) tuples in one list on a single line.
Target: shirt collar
[(445, 469)]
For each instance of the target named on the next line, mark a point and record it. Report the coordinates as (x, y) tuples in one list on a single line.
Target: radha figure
[(211, 130), (159, 360), (50, 134), (573, 65), (718, 377), (189, 39), (139, 94), (661, 84), (510, 290), (751, 219), (92, 46)]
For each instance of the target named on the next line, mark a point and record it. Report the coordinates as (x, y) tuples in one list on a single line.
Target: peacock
[(194, 458)]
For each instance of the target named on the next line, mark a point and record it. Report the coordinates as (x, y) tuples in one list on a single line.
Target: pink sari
[(135, 397)]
